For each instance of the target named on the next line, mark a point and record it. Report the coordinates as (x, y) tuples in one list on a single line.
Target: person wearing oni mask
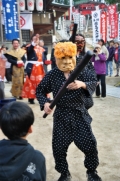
[(81, 51), (71, 120)]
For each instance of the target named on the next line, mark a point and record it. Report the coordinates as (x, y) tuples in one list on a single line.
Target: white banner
[(76, 18), (81, 22), (119, 27), (96, 25), (26, 22)]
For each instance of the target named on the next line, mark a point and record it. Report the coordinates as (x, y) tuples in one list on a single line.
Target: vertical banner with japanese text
[(116, 25), (76, 17), (10, 16), (119, 27), (81, 22), (104, 25), (96, 25), (108, 27), (112, 11)]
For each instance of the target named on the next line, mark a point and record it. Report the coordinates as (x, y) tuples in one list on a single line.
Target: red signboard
[(104, 25), (116, 25), (112, 12)]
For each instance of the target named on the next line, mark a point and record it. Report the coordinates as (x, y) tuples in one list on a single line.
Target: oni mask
[(80, 43), (65, 54)]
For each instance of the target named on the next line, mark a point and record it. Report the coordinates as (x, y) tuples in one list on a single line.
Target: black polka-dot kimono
[(71, 118)]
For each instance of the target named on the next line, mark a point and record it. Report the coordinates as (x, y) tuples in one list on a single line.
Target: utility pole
[(20, 33), (1, 28)]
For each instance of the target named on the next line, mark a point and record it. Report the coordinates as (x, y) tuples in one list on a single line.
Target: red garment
[(37, 74), (116, 55)]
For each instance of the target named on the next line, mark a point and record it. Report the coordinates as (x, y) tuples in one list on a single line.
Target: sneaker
[(93, 176), (66, 177), (102, 98), (116, 75), (97, 96)]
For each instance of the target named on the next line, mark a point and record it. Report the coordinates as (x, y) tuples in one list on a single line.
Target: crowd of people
[(71, 119)]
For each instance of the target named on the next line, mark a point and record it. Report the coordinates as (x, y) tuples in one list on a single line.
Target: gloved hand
[(20, 64)]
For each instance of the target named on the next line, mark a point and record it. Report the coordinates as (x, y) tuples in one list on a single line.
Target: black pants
[(8, 74), (101, 78), (2, 95), (73, 128)]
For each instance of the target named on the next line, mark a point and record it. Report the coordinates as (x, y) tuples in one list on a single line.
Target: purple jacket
[(100, 65)]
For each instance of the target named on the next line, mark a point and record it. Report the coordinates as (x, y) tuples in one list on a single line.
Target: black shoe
[(31, 101), (93, 176), (66, 177), (20, 98)]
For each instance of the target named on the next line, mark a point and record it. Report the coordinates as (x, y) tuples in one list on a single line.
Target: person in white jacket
[(103, 48)]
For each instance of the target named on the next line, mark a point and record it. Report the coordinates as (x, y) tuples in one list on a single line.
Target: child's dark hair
[(16, 119)]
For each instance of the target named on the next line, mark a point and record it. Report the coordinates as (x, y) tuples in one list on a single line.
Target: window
[(26, 35)]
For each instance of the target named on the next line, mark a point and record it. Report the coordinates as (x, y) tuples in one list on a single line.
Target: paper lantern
[(22, 5), (1, 4), (39, 5), (30, 5)]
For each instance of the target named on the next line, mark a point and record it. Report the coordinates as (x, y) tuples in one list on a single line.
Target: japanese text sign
[(96, 25), (10, 16)]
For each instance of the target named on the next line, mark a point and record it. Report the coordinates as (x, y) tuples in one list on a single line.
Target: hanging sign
[(104, 26), (76, 17), (116, 25), (10, 17), (108, 27), (81, 22), (119, 27), (96, 25), (26, 21), (112, 12)]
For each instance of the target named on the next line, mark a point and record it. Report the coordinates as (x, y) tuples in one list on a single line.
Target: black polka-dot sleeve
[(89, 78), (43, 89)]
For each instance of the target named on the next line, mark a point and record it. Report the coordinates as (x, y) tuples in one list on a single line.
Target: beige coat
[(105, 51)]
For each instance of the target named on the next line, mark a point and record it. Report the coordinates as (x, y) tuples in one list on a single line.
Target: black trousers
[(73, 128), (8, 74), (101, 78)]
